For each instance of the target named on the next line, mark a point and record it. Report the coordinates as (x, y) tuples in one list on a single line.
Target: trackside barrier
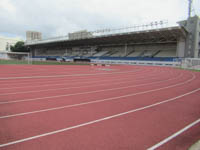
[(145, 63), (190, 63), (38, 59), (100, 64)]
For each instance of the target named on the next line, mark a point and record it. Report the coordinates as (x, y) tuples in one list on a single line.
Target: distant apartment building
[(80, 35), (6, 43), (33, 35)]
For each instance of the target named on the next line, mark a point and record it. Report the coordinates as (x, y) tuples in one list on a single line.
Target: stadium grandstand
[(150, 42)]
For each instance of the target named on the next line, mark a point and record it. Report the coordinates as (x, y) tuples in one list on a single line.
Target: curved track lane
[(128, 107)]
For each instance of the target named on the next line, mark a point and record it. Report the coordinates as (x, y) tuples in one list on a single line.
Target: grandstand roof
[(163, 35)]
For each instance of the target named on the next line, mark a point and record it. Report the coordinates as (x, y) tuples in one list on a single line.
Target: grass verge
[(17, 62)]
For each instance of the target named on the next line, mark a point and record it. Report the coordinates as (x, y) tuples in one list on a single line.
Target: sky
[(60, 17)]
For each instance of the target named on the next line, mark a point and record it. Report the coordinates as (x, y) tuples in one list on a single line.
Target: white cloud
[(58, 17), (7, 6)]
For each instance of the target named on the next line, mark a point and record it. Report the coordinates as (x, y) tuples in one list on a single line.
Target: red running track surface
[(91, 107)]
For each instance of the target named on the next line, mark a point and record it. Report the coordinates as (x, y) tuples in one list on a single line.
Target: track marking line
[(56, 89), (50, 84), (98, 120), (68, 75), (112, 89), (79, 104), (174, 135)]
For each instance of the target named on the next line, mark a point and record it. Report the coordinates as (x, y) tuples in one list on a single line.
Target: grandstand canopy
[(164, 35)]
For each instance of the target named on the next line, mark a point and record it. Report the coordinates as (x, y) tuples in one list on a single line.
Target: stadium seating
[(166, 53), (136, 53), (112, 54), (101, 53)]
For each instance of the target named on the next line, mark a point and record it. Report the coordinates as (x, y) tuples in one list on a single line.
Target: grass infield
[(189, 69)]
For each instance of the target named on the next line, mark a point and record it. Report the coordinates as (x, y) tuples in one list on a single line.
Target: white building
[(6, 43)]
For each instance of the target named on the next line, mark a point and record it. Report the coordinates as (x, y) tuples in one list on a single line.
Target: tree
[(19, 47)]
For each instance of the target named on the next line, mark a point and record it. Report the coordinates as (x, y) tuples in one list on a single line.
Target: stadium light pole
[(189, 8)]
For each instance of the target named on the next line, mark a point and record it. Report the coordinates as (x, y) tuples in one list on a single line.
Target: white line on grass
[(96, 121), (57, 96), (174, 135)]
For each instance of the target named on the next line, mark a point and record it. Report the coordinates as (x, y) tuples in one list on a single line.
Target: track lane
[(71, 103), (74, 100), (64, 78), (83, 91), (129, 77), (72, 89), (131, 125), (161, 95), (18, 72), (85, 113), (63, 75)]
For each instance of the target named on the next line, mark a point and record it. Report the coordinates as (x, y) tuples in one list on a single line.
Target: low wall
[(145, 63)]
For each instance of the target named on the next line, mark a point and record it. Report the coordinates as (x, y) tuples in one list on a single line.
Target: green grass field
[(188, 69), (195, 70), (7, 62)]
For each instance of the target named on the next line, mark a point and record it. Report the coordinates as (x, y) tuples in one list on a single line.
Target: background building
[(80, 35), (33, 35), (6, 43)]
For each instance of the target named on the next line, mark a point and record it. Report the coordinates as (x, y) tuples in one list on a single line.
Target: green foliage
[(19, 47)]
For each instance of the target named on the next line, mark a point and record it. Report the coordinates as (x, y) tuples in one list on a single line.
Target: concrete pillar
[(180, 51), (125, 50)]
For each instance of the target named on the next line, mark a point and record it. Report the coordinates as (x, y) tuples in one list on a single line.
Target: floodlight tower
[(190, 8)]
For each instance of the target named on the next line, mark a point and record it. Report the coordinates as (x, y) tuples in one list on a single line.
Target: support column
[(180, 50), (125, 52)]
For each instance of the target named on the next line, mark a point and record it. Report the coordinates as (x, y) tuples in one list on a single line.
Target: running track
[(98, 108)]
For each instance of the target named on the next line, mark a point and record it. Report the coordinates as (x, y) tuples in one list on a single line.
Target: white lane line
[(96, 121), (174, 135), (56, 89), (112, 89), (4, 82), (53, 84), (80, 104), (50, 84), (72, 81), (67, 75)]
